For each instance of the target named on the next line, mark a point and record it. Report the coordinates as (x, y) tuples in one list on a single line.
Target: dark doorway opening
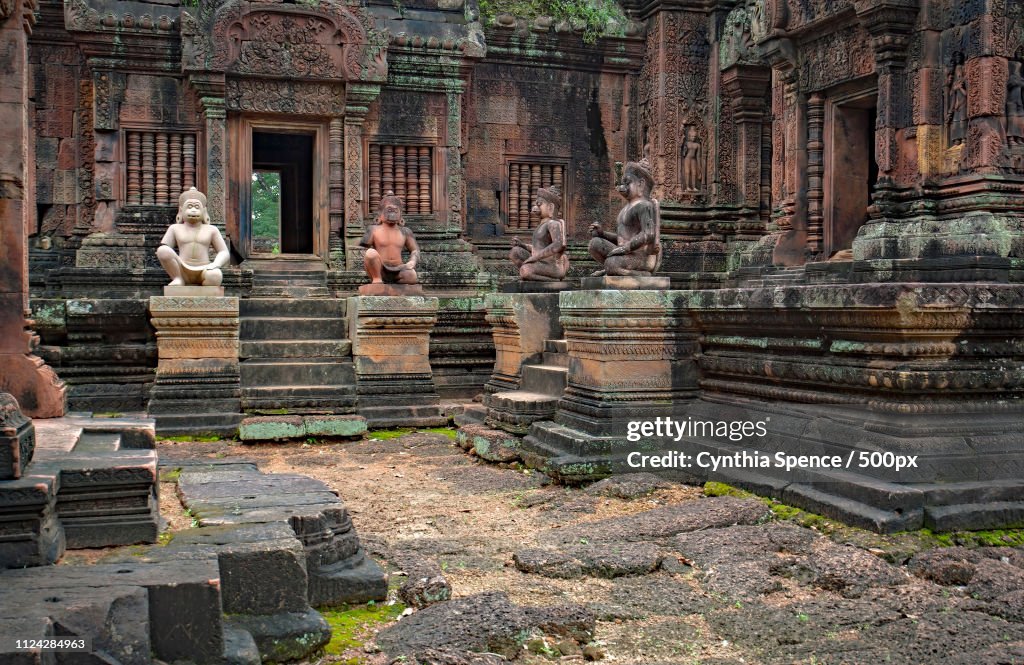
[(851, 169), (290, 157)]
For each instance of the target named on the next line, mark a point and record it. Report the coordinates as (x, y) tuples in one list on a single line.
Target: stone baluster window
[(524, 179), (159, 166), (407, 170)]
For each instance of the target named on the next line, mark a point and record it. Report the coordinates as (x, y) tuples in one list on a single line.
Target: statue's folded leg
[(517, 255)]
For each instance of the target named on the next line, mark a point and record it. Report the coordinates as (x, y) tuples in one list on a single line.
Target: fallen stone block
[(183, 606), (598, 560), (486, 622), (668, 521), (284, 427), (17, 438), (629, 486), (287, 635), (32, 534), (493, 445)]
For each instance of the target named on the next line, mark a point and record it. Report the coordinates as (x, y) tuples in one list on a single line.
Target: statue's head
[(192, 206), (691, 133), (390, 211), (638, 175), (548, 196)]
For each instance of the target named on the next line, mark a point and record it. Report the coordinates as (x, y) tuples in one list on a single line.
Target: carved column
[(336, 184), (815, 172), (37, 389)]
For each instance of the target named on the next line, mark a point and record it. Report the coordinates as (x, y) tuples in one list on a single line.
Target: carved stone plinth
[(17, 439), (197, 384), (391, 351), (520, 324), (521, 286), (631, 357), (391, 290), (625, 283), (187, 291)]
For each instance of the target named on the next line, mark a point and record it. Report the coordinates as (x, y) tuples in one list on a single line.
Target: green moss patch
[(384, 434), (193, 438), (351, 626), (443, 431), (170, 475)]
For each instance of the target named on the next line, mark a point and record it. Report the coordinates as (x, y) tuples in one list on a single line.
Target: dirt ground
[(764, 591)]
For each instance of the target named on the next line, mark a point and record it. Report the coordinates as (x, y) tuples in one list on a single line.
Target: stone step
[(556, 359), (288, 372), (545, 379), (556, 346), (300, 399), (276, 307), (294, 348), (266, 328), (291, 292), (522, 401)]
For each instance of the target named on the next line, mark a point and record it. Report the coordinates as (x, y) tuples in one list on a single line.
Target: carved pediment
[(331, 41)]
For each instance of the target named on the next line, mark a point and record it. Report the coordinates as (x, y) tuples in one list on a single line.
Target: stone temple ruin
[(838, 188)]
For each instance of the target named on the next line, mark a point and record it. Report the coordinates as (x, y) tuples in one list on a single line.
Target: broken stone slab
[(115, 620), (629, 486), (748, 560), (667, 521), (492, 445), (486, 622), (184, 601), (425, 583), (17, 438), (283, 427), (598, 560)]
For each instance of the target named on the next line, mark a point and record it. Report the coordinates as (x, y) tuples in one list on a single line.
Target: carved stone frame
[(240, 128)]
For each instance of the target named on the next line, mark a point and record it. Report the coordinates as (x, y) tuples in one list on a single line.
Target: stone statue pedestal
[(537, 287), (206, 291), (197, 388), (631, 357), (625, 283), (520, 324), (391, 290), (391, 352)]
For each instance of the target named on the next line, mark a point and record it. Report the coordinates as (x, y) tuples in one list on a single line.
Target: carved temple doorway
[(282, 188), (850, 167)]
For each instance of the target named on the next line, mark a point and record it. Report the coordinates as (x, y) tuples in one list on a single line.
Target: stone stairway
[(540, 389), (294, 348)]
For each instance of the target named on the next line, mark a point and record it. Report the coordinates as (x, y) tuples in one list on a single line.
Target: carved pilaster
[(454, 162), (747, 84), (211, 90), (889, 22)]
